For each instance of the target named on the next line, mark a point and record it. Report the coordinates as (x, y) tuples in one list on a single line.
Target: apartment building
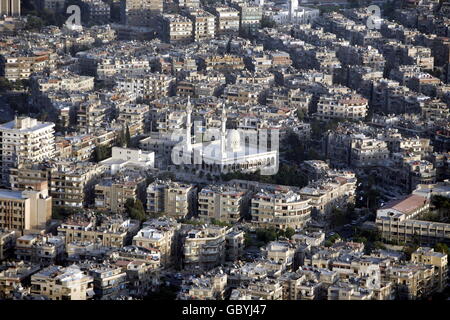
[(91, 115), (7, 243), (234, 245), (51, 5), (65, 81), (150, 86), (111, 193), (399, 221), (24, 139), (95, 11), (227, 19), (111, 231), (223, 203), (222, 63), (352, 107), (72, 184), (412, 281), (134, 115), (259, 62), (10, 8), (160, 234), (366, 151), (140, 13), (204, 247), (175, 28), (204, 287), (14, 275), (267, 289), (16, 66), (243, 94), (330, 192), (347, 291), (44, 250), (438, 260), (290, 98), (280, 210), (108, 281), (281, 252), (62, 283), (25, 211), (175, 199), (203, 24), (250, 17), (188, 4)]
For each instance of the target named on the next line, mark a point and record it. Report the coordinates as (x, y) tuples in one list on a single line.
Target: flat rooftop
[(14, 195)]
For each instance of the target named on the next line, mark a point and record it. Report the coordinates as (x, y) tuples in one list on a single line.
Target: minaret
[(188, 124), (292, 6), (223, 131)]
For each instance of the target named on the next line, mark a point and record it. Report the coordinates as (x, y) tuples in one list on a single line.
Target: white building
[(24, 139), (235, 150), (292, 13), (129, 158)]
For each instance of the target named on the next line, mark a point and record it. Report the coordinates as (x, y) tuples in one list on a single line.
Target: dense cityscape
[(224, 149)]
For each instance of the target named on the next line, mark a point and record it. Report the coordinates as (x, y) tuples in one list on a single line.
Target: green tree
[(289, 233), (5, 84), (102, 153), (266, 235), (34, 23), (442, 247), (127, 136), (301, 115), (248, 240), (267, 22), (135, 209)]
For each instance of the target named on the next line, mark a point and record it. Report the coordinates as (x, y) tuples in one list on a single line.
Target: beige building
[(398, 221), (412, 281), (65, 82), (203, 24), (7, 242), (209, 287), (14, 276), (353, 107), (24, 139), (25, 210), (267, 289), (59, 283), (112, 193), (160, 234), (367, 151), (175, 199), (438, 260), (222, 203), (204, 248), (326, 194), (21, 65), (140, 12), (10, 8), (227, 19), (44, 250), (280, 210), (71, 183), (134, 114), (113, 232), (175, 28)]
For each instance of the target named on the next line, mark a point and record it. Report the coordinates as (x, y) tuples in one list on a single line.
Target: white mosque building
[(291, 12), (228, 150)]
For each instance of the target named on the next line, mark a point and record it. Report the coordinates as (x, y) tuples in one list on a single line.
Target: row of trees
[(286, 175)]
